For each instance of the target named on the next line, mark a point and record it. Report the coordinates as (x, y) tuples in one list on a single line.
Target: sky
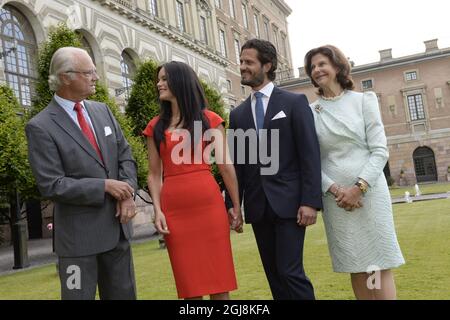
[(360, 28)]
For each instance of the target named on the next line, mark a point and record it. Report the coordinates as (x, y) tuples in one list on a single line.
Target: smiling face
[(323, 72), (163, 87), (253, 73)]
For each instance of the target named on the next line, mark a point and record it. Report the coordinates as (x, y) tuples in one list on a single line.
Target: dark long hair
[(337, 59), (185, 86)]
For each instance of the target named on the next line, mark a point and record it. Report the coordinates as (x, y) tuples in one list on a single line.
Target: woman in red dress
[(189, 207)]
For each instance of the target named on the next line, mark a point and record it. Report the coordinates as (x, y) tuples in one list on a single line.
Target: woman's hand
[(236, 220), (160, 223), (349, 198)]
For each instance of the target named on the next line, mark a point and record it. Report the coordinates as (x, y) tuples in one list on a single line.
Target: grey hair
[(63, 60)]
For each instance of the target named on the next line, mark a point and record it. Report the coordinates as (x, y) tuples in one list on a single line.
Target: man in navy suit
[(278, 203)]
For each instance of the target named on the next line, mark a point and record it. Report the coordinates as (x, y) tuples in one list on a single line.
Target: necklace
[(334, 98)]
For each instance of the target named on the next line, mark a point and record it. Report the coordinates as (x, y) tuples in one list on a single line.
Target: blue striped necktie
[(259, 111)]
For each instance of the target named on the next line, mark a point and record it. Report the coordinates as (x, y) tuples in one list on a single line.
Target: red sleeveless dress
[(199, 241)]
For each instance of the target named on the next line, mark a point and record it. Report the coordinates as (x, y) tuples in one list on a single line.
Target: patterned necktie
[(259, 111), (86, 128)]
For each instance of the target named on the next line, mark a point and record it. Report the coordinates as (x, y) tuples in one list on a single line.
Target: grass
[(424, 189), (422, 229)]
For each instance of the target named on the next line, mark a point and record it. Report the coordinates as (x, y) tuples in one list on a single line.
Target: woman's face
[(163, 88), (323, 72)]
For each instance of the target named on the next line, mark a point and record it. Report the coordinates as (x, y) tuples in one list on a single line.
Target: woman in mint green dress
[(357, 204)]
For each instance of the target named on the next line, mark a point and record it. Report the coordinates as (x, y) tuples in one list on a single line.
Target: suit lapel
[(272, 108), (249, 122), (63, 120)]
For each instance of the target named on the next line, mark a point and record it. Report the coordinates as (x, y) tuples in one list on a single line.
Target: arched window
[(128, 68), (18, 41), (424, 164), (86, 46)]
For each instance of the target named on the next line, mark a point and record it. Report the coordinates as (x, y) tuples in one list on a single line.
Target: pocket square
[(279, 115), (107, 131)]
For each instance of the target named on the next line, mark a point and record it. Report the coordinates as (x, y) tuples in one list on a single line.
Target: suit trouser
[(280, 245), (113, 271)]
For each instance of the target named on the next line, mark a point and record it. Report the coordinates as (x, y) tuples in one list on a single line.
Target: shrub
[(143, 102), (15, 170)]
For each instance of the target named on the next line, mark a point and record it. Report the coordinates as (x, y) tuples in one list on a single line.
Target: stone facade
[(241, 20), (183, 30), (414, 97)]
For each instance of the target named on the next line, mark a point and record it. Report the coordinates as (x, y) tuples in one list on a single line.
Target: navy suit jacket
[(298, 179)]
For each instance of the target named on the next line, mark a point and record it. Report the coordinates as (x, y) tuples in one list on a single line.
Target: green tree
[(59, 36), (62, 36), (143, 103), (15, 170), (214, 99)]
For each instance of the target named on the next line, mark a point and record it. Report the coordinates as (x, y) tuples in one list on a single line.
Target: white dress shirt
[(68, 106)]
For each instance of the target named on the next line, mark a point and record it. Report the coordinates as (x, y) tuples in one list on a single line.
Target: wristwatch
[(362, 186)]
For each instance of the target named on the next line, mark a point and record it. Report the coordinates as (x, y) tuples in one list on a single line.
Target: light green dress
[(353, 144)]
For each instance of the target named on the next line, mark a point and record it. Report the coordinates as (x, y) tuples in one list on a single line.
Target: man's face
[(253, 73), (83, 77)]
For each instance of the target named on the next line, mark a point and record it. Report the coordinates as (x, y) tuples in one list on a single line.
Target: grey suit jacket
[(69, 172)]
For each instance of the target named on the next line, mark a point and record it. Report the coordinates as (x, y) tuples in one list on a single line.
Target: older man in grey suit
[(83, 163)]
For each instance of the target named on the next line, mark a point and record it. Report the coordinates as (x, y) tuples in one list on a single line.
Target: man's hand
[(118, 189), (126, 210), (306, 216), (236, 220)]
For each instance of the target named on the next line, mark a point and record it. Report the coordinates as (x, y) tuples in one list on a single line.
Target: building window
[(367, 84), (153, 7), (237, 49), (410, 75), (203, 30), (218, 4), (284, 45), (229, 87), (275, 37), (127, 68), (18, 41), (415, 105), (232, 9), (223, 48), (86, 46), (266, 29), (244, 15), (180, 17), (256, 22)]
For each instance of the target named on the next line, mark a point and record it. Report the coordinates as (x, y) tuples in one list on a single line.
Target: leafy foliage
[(143, 103), (59, 36), (15, 170)]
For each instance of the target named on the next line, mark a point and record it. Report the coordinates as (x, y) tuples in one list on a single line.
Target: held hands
[(120, 190), (160, 222), (236, 220), (306, 216), (348, 198), (126, 210)]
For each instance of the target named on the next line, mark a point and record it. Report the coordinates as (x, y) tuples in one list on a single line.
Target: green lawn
[(424, 189), (423, 232)]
